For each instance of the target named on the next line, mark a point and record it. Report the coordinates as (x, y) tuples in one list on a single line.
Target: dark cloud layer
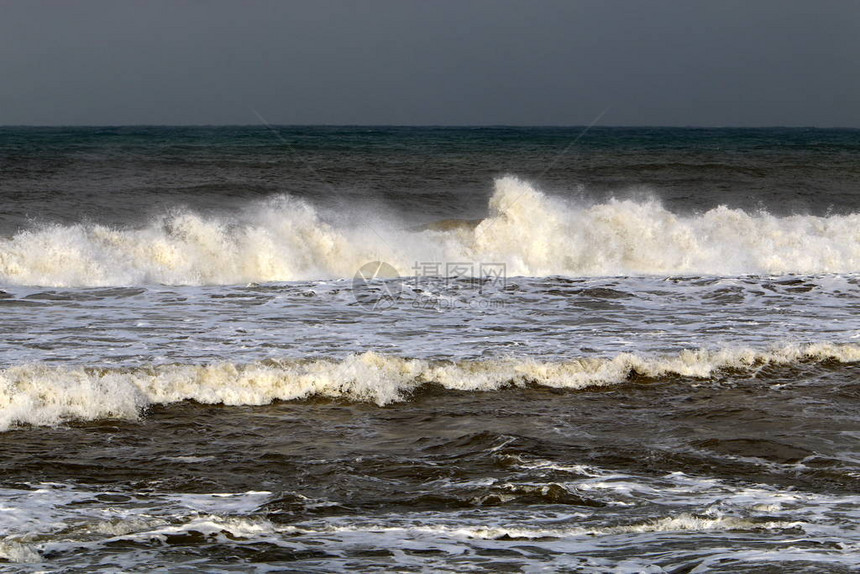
[(559, 62)]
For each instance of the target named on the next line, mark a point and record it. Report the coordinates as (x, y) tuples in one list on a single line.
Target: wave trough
[(288, 239)]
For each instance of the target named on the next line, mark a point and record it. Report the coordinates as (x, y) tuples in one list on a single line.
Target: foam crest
[(282, 239), (538, 235), (48, 395), (286, 239), (680, 523)]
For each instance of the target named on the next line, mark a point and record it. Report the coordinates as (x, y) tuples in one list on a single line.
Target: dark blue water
[(123, 174)]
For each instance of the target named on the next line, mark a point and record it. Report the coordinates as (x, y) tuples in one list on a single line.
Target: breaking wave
[(287, 239), (47, 395)]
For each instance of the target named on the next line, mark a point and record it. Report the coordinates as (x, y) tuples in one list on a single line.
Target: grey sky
[(683, 62)]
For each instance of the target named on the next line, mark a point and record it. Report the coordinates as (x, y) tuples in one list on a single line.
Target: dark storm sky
[(682, 62)]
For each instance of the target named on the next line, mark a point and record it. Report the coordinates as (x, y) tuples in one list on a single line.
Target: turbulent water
[(429, 349)]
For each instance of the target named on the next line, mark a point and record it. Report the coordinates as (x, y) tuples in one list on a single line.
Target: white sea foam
[(13, 551), (57, 518), (286, 239), (54, 524), (47, 395), (679, 523)]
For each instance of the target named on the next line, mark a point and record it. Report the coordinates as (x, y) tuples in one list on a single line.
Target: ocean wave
[(533, 234), (48, 395)]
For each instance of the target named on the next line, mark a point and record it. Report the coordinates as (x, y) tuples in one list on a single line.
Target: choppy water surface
[(665, 377)]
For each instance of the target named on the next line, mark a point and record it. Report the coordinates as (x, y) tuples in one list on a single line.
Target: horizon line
[(471, 126)]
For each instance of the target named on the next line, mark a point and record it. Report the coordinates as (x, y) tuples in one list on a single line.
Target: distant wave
[(47, 395), (287, 239)]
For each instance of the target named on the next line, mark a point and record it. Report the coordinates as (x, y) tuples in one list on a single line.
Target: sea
[(429, 349)]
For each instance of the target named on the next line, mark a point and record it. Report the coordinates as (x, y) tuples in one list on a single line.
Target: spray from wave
[(287, 239), (47, 395)]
